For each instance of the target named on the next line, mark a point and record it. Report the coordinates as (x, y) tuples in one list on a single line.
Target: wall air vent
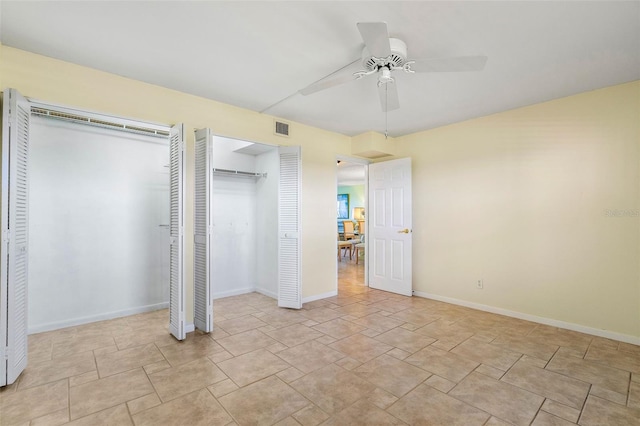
[(281, 128)]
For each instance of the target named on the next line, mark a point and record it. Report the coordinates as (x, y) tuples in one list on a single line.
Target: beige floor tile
[(357, 310), (492, 372), (191, 349), (50, 371), (222, 388), (391, 374), (494, 421), (294, 335), (252, 366), (199, 408), (332, 388), (265, 402), (398, 353), (634, 395), (83, 378), (628, 347), (153, 334), (427, 406), (560, 388), (78, 344), (405, 339), (310, 356), (56, 418), (287, 421), (444, 330), (348, 363), (310, 416), (248, 341), (360, 347), (559, 337), (590, 372), (339, 328), (392, 306), (283, 318), (501, 399), (290, 374), (378, 322), (156, 366), (128, 359), (440, 383), (545, 419), (98, 395), (240, 324), (21, 406), (362, 412), (321, 314), (487, 354), (598, 411), (111, 416), (444, 364), (560, 410), (417, 317), (143, 403), (381, 398), (524, 345), (613, 358), (609, 395), (177, 381)]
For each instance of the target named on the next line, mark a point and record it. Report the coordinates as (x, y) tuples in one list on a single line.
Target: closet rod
[(239, 173)]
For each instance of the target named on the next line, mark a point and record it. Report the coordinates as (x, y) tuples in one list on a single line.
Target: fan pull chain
[(386, 111)]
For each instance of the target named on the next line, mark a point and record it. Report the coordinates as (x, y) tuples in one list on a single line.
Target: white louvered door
[(289, 284), (202, 303), (15, 221), (176, 232)]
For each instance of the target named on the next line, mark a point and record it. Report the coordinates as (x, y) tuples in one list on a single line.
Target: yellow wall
[(59, 82), (519, 199)]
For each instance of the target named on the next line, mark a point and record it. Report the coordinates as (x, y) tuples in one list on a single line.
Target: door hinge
[(5, 356), (6, 236)]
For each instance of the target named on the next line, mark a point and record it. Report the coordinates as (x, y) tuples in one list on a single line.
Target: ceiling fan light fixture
[(397, 57)]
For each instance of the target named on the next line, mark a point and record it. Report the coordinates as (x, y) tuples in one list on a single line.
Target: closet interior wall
[(244, 252), (98, 240)]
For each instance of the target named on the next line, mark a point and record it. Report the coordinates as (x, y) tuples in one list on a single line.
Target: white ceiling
[(255, 54)]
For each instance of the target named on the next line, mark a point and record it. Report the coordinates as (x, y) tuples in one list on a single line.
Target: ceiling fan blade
[(376, 38), (336, 78), (454, 64), (388, 96)]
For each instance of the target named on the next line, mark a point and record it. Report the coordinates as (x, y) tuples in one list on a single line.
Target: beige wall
[(519, 200), (64, 83)]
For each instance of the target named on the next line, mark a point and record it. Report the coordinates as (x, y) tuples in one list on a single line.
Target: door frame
[(365, 163)]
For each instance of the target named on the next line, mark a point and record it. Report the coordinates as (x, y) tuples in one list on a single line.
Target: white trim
[(320, 296), (230, 293), (267, 293), (94, 318), (189, 327), (534, 318)]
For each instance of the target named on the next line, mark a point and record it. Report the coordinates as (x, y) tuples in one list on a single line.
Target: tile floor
[(363, 357)]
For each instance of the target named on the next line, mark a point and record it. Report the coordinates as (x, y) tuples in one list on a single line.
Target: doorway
[(351, 189)]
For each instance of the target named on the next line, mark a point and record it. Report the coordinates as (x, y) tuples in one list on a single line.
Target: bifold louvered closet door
[(15, 221), (289, 285), (176, 232)]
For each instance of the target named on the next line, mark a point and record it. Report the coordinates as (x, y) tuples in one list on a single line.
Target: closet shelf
[(239, 173)]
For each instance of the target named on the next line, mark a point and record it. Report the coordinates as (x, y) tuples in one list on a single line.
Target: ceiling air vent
[(282, 128)]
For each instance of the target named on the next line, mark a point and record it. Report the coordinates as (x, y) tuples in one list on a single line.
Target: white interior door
[(389, 217), (15, 227), (176, 232), (289, 284), (202, 291)]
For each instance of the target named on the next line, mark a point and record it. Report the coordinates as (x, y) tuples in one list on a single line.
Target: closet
[(247, 220), (92, 221)]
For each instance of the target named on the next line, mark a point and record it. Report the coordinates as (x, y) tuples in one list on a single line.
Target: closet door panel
[(15, 233), (289, 285), (176, 233), (202, 303)]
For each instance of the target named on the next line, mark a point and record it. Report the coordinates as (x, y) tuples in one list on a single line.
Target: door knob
[(404, 231)]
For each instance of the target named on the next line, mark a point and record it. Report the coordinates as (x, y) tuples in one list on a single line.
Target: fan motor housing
[(397, 58)]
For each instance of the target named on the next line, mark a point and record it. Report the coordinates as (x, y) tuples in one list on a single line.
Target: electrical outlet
[(480, 285)]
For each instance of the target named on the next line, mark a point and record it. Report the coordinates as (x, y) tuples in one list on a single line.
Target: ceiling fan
[(382, 56)]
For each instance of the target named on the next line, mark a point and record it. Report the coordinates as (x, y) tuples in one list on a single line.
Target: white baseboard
[(534, 318), (320, 296), (266, 293), (236, 292), (39, 328), (189, 327)]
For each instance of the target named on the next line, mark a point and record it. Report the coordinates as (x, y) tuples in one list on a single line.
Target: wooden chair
[(361, 227), (349, 231), (344, 246)]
